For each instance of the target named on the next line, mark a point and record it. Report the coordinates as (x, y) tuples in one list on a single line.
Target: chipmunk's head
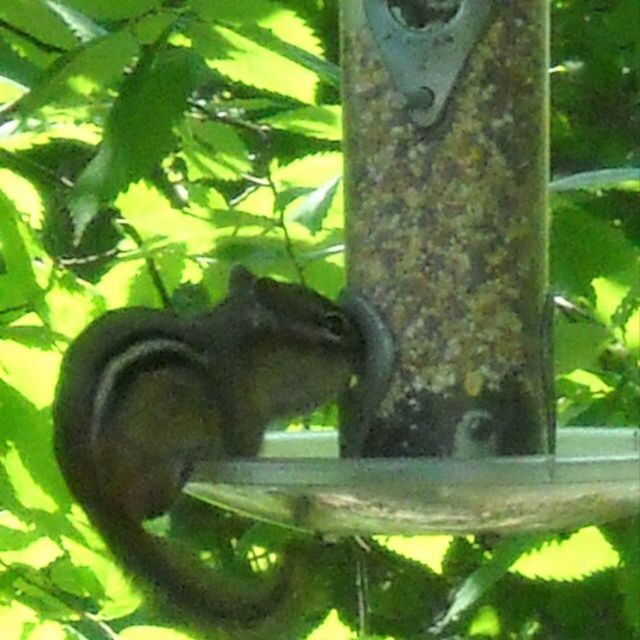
[(304, 343)]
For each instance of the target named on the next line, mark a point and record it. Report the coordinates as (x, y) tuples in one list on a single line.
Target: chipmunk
[(143, 395)]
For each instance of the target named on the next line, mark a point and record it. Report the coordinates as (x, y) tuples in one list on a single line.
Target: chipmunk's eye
[(335, 323)]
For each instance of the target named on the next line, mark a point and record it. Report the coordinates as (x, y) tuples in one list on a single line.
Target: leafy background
[(145, 146)]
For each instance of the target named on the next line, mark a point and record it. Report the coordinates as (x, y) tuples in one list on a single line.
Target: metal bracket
[(424, 63), (358, 404)]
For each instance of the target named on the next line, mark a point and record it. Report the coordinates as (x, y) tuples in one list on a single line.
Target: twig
[(67, 600), (154, 272), (279, 212)]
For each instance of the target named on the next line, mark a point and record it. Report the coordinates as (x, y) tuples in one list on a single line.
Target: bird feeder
[(446, 177)]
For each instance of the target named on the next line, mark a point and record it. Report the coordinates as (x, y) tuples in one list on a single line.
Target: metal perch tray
[(594, 477)]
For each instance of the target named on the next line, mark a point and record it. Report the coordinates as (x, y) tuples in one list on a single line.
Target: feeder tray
[(594, 477)]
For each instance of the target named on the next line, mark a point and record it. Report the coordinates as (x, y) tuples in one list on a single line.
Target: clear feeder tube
[(447, 227)]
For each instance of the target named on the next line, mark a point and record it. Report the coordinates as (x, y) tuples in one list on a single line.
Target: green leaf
[(584, 247), (114, 11), (285, 197), (277, 52), (92, 66), (156, 220), (578, 345), (38, 20), (585, 552), (84, 28), (18, 284), (273, 27), (212, 149), (138, 133), (322, 122), (243, 60), (483, 578), (326, 71), (15, 67), (314, 208), (602, 179), (25, 448), (31, 336), (221, 218), (625, 537), (627, 308)]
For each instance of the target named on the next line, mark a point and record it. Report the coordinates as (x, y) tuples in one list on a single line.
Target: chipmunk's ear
[(241, 281)]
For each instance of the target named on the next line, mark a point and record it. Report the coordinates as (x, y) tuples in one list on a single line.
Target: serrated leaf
[(275, 28), (84, 28), (483, 578), (322, 122), (16, 68), (624, 535), (17, 366), (71, 307), (138, 132), (285, 197), (26, 450), (18, 284), (213, 149), (95, 574), (115, 285), (314, 208), (428, 550), (95, 64), (325, 70), (37, 19), (627, 307), (247, 62), (31, 336), (610, 292), (583, 553), (306, 172), (261, 44), (332, 628)]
